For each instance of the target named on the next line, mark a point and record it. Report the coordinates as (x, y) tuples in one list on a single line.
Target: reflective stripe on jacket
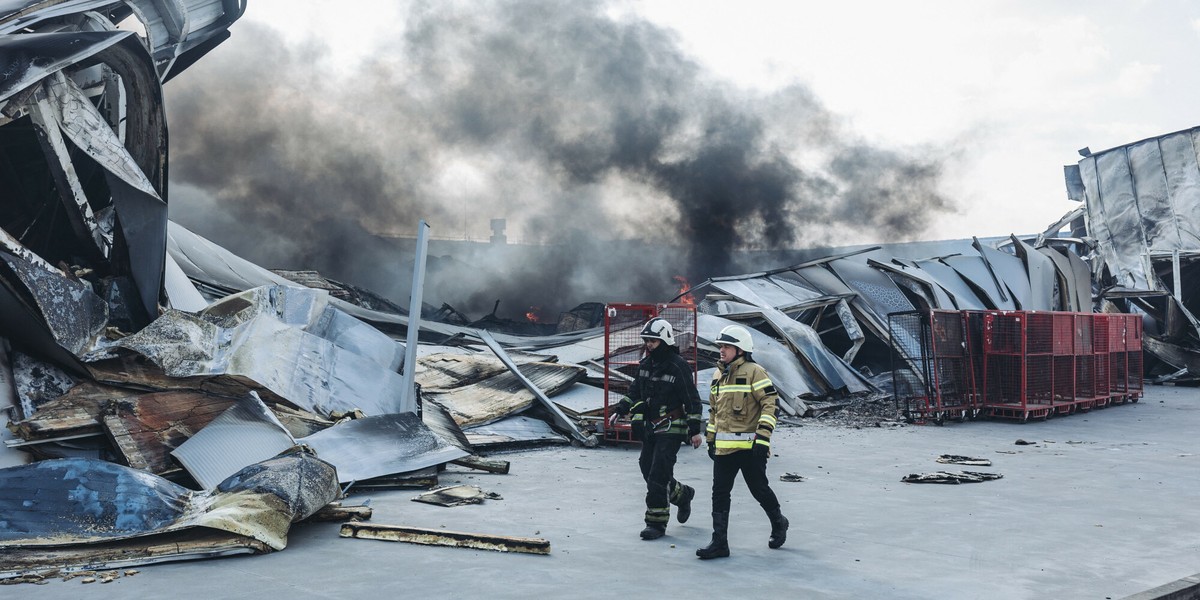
[(742, 403)]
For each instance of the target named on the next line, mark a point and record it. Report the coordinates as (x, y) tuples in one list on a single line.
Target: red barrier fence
[(1013, 364)]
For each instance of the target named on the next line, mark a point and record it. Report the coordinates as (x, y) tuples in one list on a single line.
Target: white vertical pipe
[(408, 400)]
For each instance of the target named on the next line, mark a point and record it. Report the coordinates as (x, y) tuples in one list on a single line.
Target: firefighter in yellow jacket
[(741, 419)]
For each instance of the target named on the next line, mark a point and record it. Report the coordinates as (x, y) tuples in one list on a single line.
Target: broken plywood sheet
[(78, 411), (448, 371), (145, 429), (504, 394), (135, 371)]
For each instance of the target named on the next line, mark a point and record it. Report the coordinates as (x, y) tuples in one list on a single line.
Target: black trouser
[(657, 461), (754, 472)]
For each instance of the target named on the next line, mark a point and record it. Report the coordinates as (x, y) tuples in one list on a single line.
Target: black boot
[(685, 503), (779, 527), (653, 531), (719, 546)]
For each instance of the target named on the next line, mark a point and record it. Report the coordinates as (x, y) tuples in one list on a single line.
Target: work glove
[(761, 452), (619, 410), (712, 452)]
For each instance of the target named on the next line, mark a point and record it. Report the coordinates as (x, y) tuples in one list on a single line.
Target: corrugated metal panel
[(383, 445), (246, 433)]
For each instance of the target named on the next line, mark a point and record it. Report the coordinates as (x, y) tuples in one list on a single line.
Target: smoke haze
[(577, 127)]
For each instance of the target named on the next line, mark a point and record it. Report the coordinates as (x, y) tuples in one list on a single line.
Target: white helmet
[(659, 329), (736, 336)]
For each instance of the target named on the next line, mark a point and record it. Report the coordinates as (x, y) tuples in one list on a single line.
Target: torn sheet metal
[(1065, 279), (219, 269), (181, 293), (8, 384), (1042, 275), (761, 291), (940, 297), (308, 371), (456, 495), (37, 383), (81, 501), (30, 57), (974, 270), (1008, 272), (138, 372), (66, 180), (514, 431), (874, 289), (246, 433), (837, 375), (381, 445), (312, 312), (72, 311), (1139, 197), (581, 398), (504, 394), (960, 291), (439, 420)]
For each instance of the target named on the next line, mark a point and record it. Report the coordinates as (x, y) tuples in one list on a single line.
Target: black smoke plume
[(596, 137)]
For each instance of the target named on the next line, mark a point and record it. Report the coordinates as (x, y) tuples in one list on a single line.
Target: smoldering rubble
[(178, 401)]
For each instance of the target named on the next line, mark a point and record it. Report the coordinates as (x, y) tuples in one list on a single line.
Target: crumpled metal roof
[(80, 501), (251, 338)]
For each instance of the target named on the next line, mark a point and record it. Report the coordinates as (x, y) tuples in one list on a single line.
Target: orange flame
[(684, 286), (532, 314)]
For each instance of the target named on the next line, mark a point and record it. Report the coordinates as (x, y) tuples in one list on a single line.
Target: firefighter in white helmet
[(741, 419), (664, 408)]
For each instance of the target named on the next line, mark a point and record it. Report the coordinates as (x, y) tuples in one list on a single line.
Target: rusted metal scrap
[(434, 537)]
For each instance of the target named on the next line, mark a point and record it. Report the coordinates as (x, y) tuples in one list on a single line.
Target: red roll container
[(624, 349)]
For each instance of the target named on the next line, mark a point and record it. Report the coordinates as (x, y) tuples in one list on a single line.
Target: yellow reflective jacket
[(742, 403)]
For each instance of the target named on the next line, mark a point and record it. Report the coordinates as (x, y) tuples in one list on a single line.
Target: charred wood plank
[(76, 412), (434, 537), (335, 511), (18, 562), (483, 464)]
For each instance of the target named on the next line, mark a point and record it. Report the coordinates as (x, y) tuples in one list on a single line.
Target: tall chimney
[(498, 236)]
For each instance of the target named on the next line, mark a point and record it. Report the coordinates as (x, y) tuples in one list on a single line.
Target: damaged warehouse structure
[(204, 403)]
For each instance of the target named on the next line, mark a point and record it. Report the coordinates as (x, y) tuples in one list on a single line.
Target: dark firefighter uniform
[(664, 408)]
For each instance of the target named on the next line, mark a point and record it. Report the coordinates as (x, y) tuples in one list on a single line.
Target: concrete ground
[(1104, 505)]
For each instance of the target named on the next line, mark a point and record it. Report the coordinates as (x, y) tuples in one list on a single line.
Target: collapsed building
[(206, 403)]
